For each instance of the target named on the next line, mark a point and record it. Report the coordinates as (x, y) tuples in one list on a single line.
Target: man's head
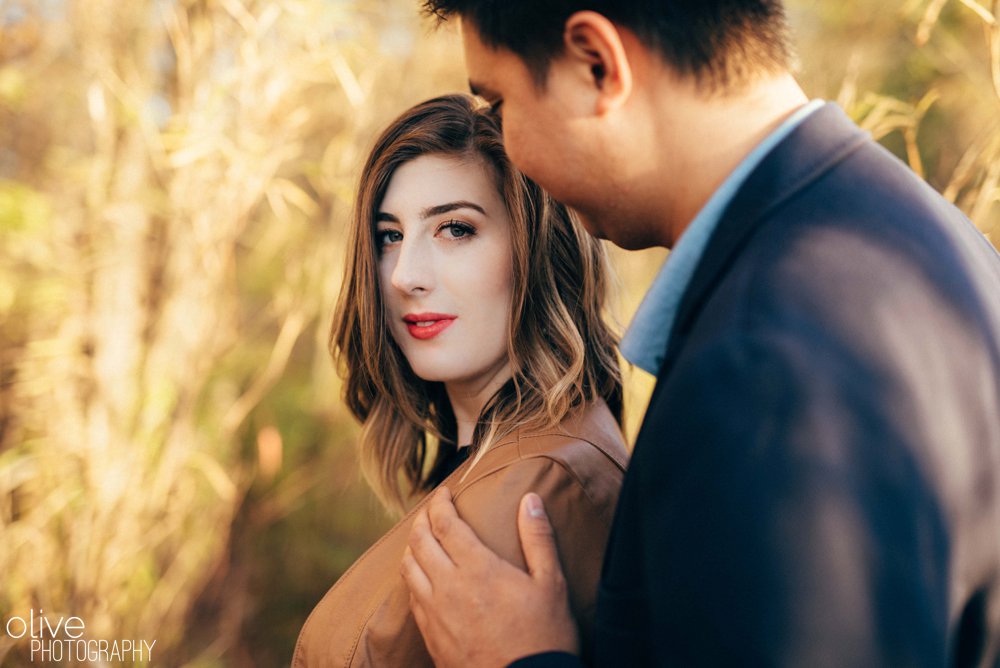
[(722, 44), (630, 112)]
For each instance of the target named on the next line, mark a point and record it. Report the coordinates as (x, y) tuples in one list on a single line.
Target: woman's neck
[(469, 397)]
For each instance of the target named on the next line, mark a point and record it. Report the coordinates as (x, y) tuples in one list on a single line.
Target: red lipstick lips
[(427, 325)]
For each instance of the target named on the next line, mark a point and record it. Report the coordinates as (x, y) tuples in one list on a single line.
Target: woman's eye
[(385, 237), (456, 229)]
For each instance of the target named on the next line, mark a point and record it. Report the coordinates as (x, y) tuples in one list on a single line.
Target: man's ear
[(591, 39)]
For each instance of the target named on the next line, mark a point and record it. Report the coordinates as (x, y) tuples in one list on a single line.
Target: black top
[(448, 464)]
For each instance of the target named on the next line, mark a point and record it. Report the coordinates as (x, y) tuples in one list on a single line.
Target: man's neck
[(713, 135)]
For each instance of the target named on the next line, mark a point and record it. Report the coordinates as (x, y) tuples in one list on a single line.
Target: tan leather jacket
[(364, 620)]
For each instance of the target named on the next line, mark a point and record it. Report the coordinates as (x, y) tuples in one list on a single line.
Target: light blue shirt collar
[(645, 342)]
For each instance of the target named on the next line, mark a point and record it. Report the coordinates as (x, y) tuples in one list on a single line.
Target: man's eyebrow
[(451, 206)]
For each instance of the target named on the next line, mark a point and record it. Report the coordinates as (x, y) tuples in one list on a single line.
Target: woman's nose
[(414, 270)]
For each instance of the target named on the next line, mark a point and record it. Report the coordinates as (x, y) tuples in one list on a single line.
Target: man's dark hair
[(722, 44)]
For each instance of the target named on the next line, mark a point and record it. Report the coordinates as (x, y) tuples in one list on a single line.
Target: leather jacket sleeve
[(580, 511)]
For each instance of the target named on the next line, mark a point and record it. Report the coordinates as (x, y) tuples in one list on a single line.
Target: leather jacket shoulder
[(577, 469)]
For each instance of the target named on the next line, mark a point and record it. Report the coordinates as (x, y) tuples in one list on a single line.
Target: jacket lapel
[(823, 140)]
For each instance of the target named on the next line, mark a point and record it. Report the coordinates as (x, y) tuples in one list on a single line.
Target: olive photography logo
[(60, 639)]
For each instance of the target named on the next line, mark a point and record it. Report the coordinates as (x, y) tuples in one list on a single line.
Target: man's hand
[(473, 607)]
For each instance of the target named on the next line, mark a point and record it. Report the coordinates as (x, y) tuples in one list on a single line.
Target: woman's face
[(443, 236)]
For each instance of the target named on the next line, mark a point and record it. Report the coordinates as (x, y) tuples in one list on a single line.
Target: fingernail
[(535, 507)]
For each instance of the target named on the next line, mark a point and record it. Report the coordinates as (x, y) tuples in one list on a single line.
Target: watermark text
[(57, 640)]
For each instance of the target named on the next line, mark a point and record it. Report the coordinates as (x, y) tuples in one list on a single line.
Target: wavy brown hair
[(562, 352)]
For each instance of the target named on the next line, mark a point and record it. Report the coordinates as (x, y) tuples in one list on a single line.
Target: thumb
[(537, 539)]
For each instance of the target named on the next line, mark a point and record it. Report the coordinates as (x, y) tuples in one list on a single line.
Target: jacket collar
[(593, 423), (822, 141)]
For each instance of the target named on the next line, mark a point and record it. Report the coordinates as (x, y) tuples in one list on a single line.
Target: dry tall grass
[(166, 156), (923, 76)]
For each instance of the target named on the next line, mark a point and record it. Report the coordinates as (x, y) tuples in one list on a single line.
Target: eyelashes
[(383, 237), (450, 230), (458, 229)]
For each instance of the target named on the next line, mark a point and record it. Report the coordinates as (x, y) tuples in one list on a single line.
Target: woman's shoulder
[(588, 442), (590, 435), (583, 457), (576, 468)]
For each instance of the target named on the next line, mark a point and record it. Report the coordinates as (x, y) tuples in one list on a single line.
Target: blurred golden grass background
[(175, 179)]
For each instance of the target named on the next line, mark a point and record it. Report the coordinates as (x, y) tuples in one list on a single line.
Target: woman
[(470, 333)]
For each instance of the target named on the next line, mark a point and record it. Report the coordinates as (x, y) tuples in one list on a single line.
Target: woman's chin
[(432, 374)]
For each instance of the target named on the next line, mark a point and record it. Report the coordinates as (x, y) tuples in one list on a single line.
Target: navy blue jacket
[(817, 478)]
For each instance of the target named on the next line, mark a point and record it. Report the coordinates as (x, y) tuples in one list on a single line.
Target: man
[(817, 478)]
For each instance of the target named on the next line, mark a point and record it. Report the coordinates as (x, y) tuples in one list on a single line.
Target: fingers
[(537, 540), (419, 616), (415, 578), (457, 538), (426, 552)]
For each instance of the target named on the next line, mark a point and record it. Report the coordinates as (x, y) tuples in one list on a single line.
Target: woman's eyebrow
[(383, 217), (437, 210)]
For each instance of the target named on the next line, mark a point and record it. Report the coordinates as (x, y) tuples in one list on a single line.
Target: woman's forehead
[(434, 179)]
